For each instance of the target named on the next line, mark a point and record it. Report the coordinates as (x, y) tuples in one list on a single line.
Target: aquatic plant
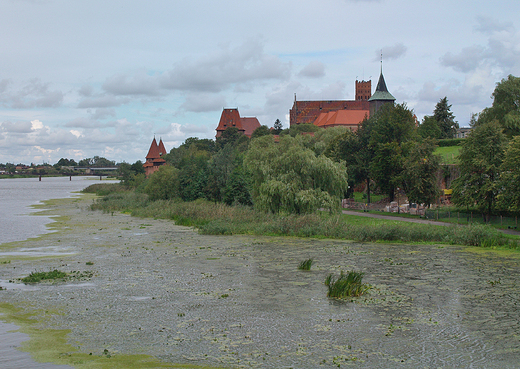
[(346, 285), (305, 265), (36, 277)]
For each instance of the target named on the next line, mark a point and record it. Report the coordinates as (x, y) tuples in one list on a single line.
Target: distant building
[(463, 132), (349, 113), (231, 118), (154, 158)]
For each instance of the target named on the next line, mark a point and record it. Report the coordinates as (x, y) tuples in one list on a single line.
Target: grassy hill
[(448, 154)]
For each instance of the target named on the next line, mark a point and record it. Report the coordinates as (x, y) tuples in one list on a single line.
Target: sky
[(85, 78)]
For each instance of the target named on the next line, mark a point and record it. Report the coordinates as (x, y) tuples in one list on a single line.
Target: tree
[(277, 128), (509, 198), (429, 128), (480, 159), (260, 131), (347, 148), (163, 184), (388, 134), (289, 178), (419, 177), (233, 137), (445, 119), (387, 166), (506, 106)]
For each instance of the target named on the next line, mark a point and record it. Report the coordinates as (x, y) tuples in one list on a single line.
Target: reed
[(348, 284), (305, 264)]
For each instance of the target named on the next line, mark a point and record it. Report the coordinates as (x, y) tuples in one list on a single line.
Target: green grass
[(220, 219), (448, 154), (346, 285), (362, 197), (36, 277), (305, 264)]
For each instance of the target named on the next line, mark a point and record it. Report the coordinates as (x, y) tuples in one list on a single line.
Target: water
[(18, 195)]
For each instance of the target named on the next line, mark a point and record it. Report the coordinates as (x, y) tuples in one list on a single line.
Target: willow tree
[(289, 178)]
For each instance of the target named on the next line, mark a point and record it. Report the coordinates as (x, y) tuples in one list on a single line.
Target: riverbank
[(162, 295)]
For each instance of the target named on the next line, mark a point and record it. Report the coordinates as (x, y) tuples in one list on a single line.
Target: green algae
[(51, 346)]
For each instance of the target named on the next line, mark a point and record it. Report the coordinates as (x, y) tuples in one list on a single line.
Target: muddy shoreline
[(240, 301)]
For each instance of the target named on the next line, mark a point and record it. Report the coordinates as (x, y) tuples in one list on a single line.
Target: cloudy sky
[(80, 78)]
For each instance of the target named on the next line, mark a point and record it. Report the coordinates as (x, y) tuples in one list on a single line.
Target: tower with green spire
[(381, 96)]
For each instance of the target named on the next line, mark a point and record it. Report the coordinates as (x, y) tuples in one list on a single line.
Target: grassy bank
[(220, 219)]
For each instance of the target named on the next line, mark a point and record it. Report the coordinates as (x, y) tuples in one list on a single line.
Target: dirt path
[(415, 220)]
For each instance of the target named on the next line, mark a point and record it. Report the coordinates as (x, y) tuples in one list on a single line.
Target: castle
[(154, 157), (349, 113), (231, 118), (325, 113)]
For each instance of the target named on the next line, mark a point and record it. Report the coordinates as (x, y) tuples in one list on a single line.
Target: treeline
[(306, 168)]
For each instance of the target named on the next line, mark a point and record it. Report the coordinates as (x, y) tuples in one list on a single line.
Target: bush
[(450, 142)]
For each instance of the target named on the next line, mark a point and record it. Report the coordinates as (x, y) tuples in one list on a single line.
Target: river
[(18, 195), (173, 294)]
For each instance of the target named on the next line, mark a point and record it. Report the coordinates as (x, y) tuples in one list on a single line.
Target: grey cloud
[(203, 102), (139, 84), (391, 52), (34, 94), (315, 69), (468, 59), (489, 25), (86, 91), (502, 49), (101, 113), (84, 123), (16, 127), (102, 101), (212, 73)]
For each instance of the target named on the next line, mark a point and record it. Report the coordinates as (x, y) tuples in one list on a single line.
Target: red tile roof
[(249, 124), (231, 118), (351, 118)]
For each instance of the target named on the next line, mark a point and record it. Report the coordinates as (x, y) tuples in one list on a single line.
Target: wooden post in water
[(70, 178), (40, 179)]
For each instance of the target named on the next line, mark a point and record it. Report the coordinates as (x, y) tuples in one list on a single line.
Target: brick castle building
[(154, 157), (349, 113), (231, 118)]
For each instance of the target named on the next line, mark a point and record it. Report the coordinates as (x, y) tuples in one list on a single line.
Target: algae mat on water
[(166, 292)]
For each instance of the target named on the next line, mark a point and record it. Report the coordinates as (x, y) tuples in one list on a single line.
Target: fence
[(471, 217)]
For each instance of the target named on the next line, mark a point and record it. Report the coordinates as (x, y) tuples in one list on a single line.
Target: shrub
[(35, 277)]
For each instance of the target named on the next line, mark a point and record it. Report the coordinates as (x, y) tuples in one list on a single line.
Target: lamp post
[(398, 208)]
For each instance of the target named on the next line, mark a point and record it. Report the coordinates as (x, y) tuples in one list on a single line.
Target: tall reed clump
[(305, 264), (346, 285)]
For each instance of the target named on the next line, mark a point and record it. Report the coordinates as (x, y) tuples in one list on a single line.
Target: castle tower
[(381, 96), (363, 90)]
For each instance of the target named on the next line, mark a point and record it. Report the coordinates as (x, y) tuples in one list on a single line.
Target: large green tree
[(388, 134), (509, 198), (419, 177), (506, 106), (349, 149), (289, 178), (480, 159), (445, 119)]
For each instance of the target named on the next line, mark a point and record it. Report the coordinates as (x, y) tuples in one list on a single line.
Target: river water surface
[(240, 301), (17, 196)]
